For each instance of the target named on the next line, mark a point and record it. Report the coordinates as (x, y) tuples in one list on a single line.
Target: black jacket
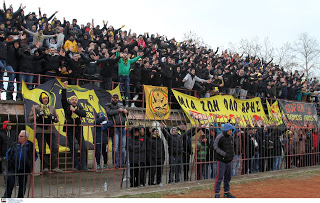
[(6, 141), (27, 60), (80, 112), (155, 150), (223, 146), (108, 67), (175, 143), (137, 149), (77, 67), (52, 62), (135, 74), (20, 158), (13, 57)]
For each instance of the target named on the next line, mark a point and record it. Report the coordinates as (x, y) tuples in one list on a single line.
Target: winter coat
[(79, 112), (175, 143), (7, 138), (137, 149), (20, 158), (27, 61), (223, 147), (155, 151), (114, 115), (108, 67)]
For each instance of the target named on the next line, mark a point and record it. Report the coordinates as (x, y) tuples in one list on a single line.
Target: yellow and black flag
[(92, 98)]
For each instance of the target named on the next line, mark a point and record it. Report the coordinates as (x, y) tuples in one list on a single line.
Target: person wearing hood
[(224, 153), (74, 112), (7, 137), (45, 115), (101, 138), (85, 41)]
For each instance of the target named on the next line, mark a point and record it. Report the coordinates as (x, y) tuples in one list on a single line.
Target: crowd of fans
[(31, 44), (39, 44)]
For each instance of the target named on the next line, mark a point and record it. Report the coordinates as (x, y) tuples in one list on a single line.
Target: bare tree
[(267, 50), (285, 57), (307, 53), (194, 38), (251, 47)]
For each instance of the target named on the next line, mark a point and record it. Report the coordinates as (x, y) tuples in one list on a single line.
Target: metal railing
[(153, 160)]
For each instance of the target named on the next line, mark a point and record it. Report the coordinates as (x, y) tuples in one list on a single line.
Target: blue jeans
[(276, 163), (211, 170), (3, 67), (120, 144), (125, 87), (175, 168), (26, 79), (236, 164)]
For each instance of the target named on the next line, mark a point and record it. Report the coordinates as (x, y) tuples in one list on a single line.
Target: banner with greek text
[(299, 113), (222, 108)]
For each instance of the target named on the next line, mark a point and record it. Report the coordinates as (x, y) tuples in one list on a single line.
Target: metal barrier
[(173, 156), (79, 81)]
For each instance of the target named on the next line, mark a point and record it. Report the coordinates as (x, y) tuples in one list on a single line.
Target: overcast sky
[(218, 22)]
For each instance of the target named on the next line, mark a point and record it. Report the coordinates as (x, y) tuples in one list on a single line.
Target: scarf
[(74, 115), (46, 110), (39, 37), (9, 16), (125, 61), (156, 136)]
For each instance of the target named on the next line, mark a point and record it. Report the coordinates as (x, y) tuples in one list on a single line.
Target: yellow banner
[(222, 108), (157, 105), (274, 113)]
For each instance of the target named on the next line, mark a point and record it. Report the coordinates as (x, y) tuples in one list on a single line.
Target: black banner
[(299, 113)]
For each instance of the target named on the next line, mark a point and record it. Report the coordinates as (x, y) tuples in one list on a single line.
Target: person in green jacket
[(123, 73)]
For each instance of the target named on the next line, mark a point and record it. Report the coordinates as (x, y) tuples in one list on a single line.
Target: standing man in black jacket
[(73, 113), (26, 61), (155, 157), (52, 63), (108, 70), (137, 158), (175, 148), (223, 147)]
